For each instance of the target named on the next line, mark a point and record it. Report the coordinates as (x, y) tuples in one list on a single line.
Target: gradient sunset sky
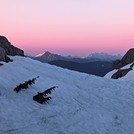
[(68, 27)]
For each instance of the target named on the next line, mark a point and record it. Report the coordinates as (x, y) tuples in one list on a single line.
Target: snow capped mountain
[(103, 56), (82, 103), (47, 57), (45, 54), (41, 54)]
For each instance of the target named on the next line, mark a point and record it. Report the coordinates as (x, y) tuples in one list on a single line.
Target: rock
[(6, 48), (3, 56), (117, 64), (9, 48), (131, 66), (120, 73), (127, 59)]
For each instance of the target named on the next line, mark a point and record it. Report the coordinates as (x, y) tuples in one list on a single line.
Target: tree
[(42, 97), (25, 85)]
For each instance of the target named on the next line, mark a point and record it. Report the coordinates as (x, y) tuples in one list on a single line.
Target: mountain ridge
[(96, 65), (98, 68), (48, 57)]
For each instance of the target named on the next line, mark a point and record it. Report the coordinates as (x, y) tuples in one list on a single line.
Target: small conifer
[(42, 97), (25, 85)]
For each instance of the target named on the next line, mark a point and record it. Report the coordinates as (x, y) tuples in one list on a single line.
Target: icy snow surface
[(82, 103)]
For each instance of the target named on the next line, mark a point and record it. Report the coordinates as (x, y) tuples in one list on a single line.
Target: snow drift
[(82, 103)]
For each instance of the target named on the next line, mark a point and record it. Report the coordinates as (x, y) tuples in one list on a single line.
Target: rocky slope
[(127, 59), (122, 67), (6, 48)]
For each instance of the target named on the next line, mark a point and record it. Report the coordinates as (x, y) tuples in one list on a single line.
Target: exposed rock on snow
[(123, 66), (127, 59), (120, 73)]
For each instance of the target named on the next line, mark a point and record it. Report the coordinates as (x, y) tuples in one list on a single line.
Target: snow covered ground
[(82, 103)]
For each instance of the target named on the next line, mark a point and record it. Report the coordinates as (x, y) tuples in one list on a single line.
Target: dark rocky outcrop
[(3, 56), (6, 48), (117, 64), (9, 48), (120, 73), (127, 59)]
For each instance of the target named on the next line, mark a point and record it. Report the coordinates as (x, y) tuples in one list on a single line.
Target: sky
[(68, 27)]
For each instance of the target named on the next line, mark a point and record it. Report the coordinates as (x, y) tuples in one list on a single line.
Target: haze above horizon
[(69, 27)]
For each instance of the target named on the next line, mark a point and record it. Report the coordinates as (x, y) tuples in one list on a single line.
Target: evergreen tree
[(42, 97), (25, 85)]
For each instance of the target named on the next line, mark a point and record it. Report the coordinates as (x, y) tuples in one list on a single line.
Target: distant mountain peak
[(48, 56), (104, 56), (45, 53), (40, 54)]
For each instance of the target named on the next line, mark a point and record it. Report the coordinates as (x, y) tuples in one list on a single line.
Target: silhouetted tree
[(49, 90), (25, 85), (42, 97)]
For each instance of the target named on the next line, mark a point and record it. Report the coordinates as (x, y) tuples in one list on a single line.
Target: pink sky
[(69, 27)]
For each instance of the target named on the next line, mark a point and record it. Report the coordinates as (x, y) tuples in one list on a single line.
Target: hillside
[(82, 103), (90, 65)]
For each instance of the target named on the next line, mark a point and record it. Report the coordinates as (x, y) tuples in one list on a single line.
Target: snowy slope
[(83, 104), (128, 77)]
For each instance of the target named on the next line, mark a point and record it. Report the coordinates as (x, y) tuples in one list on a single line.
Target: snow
[(39, 55), (82, 103), (129, 77)]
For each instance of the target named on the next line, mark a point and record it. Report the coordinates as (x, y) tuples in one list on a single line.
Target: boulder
[(127, 59)]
